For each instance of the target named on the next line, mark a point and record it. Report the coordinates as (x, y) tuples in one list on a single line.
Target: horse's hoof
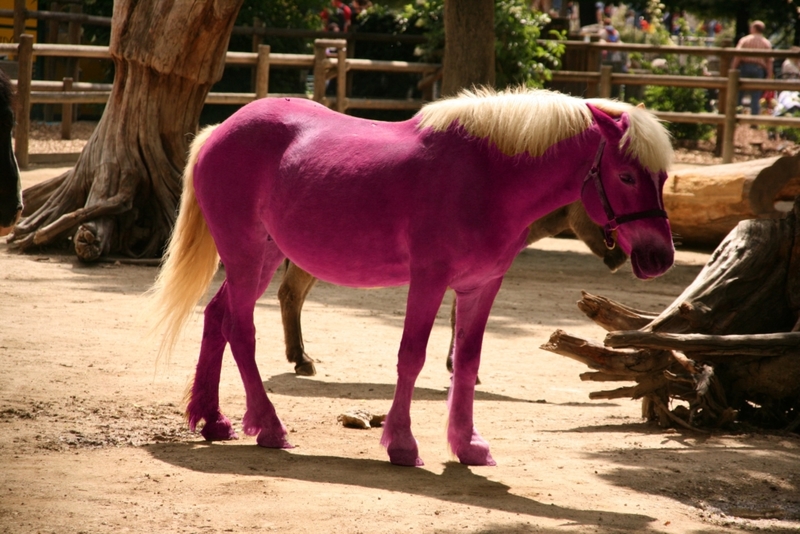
[(219, 430), (305, 369), (476, 454), (405, 458), (271, 441)]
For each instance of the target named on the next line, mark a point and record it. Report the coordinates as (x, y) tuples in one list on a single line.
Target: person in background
[(337, 13), (617, 59), (574, 16), (754, 67), (599, 9), (790, 68)]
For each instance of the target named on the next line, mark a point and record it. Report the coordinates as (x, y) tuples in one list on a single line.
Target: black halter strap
[(614, 221)]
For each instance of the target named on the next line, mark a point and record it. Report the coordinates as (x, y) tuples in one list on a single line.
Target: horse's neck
[(556, 178)]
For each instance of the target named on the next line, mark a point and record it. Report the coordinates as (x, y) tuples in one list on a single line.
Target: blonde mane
[(523, 120)]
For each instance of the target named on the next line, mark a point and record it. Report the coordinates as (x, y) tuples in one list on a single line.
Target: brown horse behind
[(297, 283)]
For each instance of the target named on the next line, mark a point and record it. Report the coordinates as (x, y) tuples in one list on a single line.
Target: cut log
[(705, 203)]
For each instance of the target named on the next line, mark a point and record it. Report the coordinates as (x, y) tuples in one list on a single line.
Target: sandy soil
[(92, 437)]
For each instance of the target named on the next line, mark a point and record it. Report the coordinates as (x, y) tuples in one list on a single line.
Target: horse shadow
[(289, 384), (457, 483)]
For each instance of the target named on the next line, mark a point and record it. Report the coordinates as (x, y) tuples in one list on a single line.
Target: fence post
[(51, 36), (19, 19), (729, 129), (320, 61), (605, 81), (341, 79), (66, 113), (592, 65), (722, 99), (262, 71), (258, 40), (25, 59)]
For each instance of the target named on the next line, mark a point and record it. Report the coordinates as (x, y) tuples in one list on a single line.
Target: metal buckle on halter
[(614, 221)]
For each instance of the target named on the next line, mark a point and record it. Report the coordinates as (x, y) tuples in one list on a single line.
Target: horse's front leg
[(424, 299), (472, 313), (292, 294)]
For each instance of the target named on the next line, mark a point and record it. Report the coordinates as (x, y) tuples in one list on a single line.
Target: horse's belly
[(358, 259), (352, 269)]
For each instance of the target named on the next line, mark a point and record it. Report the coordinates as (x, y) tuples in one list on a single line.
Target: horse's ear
[(609, 128)]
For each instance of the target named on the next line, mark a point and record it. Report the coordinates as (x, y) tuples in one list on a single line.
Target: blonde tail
[(189, 264)]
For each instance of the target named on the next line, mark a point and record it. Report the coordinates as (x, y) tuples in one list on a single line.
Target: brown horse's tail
[(189, 263)]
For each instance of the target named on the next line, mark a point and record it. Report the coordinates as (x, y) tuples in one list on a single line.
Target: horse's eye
[(627, 179)]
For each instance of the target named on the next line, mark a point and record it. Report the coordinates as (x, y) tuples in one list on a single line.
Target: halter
[(614, 221)]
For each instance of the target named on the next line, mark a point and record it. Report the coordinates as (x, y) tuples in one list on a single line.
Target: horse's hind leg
[(248, 274), (204, 397), (472, 313), (293, 291), (424, 298)]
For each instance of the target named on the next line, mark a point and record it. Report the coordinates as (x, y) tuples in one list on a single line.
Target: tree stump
[(122, 195), (726, 352)]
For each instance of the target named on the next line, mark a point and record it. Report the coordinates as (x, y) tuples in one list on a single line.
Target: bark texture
[(728, 347), (706, 203), (469, 54), (122, 194)]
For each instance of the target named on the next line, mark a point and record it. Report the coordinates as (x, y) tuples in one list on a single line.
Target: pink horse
[(441, 200)]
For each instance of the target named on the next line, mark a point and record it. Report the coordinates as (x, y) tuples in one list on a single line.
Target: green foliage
[(787, 132), (519, 59), (669, 98), (686, 99), (383, 20), (295, 14)]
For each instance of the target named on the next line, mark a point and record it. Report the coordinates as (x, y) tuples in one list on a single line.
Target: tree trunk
[(122, 194), (469, 53), (728, 346)]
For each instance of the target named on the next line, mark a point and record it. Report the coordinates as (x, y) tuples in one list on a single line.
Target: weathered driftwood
[(705, 203), (727, 347)]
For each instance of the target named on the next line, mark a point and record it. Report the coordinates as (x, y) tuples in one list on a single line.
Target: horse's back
[(328, 189)]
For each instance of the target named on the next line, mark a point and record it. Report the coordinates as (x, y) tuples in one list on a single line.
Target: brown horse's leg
[(292, 294), (453, 340)]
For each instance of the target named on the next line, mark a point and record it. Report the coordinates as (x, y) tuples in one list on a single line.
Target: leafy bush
[(681, 99), (519, 59), (686, 99)]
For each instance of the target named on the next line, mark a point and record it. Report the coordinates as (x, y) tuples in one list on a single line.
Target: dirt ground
[(92, 437)]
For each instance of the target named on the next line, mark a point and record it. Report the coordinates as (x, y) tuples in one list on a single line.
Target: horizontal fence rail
[(68, 92), (329, 61)]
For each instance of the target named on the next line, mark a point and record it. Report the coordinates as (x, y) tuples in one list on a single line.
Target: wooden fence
[(324, 67), (600, 78), (330, 61)]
